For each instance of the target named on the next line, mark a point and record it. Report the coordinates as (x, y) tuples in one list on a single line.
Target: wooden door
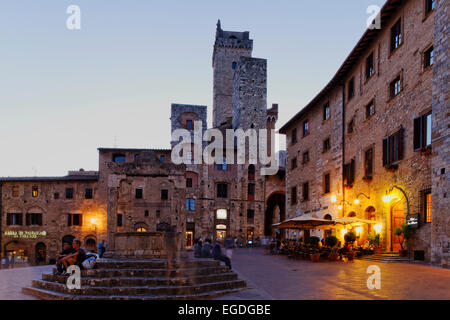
[(397, 221)]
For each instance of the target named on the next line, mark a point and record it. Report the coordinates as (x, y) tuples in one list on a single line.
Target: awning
[(305, 223), (353, 221)]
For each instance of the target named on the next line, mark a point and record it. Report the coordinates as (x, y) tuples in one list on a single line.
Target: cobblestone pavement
[(277, 277), (13, 280)]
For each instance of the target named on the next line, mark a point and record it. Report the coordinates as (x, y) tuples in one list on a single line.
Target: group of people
[(73, 254), (206, 250)]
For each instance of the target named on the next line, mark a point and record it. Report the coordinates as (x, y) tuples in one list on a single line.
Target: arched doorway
[(397, 214), (91, 244), (41, 253), (275, 202), (67, 238), (370, 215)]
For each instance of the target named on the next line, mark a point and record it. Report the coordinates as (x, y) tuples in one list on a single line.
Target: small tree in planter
[(331, 242), (314, 242), (349, 238), (374, 242), (405, 232)]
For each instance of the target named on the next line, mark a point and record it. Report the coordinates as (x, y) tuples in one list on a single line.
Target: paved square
[(277, 277)]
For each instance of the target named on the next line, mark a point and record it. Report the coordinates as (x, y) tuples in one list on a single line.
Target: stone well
[(144, 245)]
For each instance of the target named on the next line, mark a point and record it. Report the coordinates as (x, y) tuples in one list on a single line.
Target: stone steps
[(105, 273), (51, 295), (144, 281), (139, 290), (386, 257), (155, 264)]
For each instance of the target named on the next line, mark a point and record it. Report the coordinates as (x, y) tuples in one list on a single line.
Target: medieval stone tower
[(229, 47)]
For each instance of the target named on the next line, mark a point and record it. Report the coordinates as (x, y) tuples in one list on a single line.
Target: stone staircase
[(142, 280), (386, 257)]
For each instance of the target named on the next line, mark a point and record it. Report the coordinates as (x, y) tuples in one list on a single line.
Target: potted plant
[(349, 238), (374, 241), (331, 242), (405, 232), (314, 242)]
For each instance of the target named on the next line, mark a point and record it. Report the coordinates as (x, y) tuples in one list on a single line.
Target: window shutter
[(385, 152), (400, 139), (81, 219), (69, 220), (418, 129), (28, 219), (20, 219), (39, 219), (8, 219)]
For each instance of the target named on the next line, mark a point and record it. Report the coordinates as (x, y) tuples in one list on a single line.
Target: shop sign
[(25, 234), (412, 220)]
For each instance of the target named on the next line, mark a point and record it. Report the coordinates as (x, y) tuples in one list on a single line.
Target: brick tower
[(229, 47)]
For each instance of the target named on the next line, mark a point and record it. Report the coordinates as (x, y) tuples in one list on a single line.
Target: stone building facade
[(379, 114), (144, 190)]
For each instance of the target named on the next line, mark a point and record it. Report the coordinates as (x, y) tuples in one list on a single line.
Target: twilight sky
[(64, 93)]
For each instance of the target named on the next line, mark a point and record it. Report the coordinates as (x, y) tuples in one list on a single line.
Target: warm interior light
[(333, 199), (344, 232), (387, 198), (356, 201), (93, 221), (377, 228), (340, 207), (358, 230)]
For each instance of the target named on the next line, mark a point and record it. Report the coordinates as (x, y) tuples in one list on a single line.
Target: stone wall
[(440, 232)]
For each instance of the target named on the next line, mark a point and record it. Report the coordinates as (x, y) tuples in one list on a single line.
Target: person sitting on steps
[(217, 255), (67, 249), (76, 258)]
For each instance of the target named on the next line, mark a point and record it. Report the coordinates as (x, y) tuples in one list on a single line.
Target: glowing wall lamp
[(340, 207), (356, 201), (344, 232), (333, 199), (93, 221), (387, 198), (358, 231), (378, 227)]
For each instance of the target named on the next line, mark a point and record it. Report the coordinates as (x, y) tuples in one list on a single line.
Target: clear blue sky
[(65, 93)]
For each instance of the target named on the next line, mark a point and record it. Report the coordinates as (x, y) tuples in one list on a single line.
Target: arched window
[(328, 217), (141, 227), (352, 214), (251, 172)]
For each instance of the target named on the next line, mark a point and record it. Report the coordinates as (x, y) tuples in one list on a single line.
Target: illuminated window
[(141, 229), (162, 158), (426, 206), (35, 192), (222, 214)]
